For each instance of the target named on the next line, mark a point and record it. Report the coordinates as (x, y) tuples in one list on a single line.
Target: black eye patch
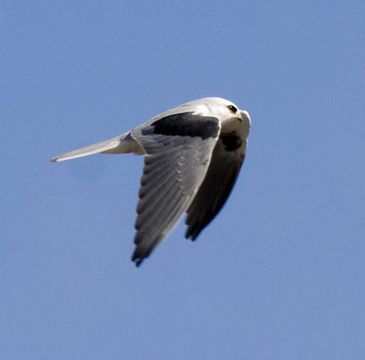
[(232, 108)]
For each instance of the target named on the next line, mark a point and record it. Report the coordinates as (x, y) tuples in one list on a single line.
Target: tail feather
[(119, 144)]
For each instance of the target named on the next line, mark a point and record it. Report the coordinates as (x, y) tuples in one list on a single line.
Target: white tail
[(120, 144)]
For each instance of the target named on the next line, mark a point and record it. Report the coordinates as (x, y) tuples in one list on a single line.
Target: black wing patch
[(186, 124), (231, 141)]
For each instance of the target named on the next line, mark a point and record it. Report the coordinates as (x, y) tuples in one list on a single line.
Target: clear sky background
[(279, 274)]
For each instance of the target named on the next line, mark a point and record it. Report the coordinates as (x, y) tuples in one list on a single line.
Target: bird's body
[(193, 154)]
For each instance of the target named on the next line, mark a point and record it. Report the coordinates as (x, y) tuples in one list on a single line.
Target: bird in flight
[(192, 157)]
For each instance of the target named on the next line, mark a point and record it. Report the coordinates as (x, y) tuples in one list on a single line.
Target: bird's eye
[(232, 108)]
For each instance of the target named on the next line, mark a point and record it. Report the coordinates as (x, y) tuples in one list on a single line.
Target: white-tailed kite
[(192, 157)]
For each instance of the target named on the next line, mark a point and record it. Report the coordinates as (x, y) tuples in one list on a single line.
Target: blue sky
[(278, 275)]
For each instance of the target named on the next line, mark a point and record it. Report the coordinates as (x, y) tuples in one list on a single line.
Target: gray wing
[(178, 151), (224, 167)]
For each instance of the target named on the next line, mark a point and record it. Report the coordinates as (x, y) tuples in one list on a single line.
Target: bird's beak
[(245, 116)]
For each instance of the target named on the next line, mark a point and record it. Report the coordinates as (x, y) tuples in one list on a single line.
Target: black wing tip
[(139, 256), (192, 234), (194, 228), (138, 260)]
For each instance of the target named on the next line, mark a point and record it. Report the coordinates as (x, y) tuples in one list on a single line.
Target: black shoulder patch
[(187, 124), (231, 141)]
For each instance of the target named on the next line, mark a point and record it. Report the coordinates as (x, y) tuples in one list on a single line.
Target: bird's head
[(222, 108)]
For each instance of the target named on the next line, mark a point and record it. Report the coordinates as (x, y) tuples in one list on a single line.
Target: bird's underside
[(192, 157)]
